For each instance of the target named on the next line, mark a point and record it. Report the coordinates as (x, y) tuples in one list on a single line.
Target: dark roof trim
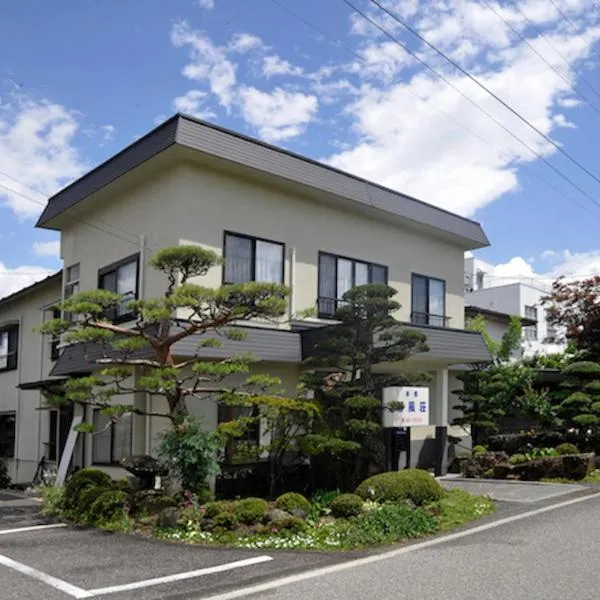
[(495, 314), (31, 288), (50, 384), (240, 149)]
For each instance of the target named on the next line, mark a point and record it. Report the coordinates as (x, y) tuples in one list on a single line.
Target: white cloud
[(244, 42), (413, 129), (274, 65), (12, 280), (37, 149), (47, 248), (278, 115), (206, 4), (191, 104), (208, 62), (108, 132)]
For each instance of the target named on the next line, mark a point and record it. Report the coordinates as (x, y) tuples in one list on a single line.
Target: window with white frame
[(338, 274), (530, 332), (111, 441), (9, 339), (551, 329), (121, 277), (252, 259)]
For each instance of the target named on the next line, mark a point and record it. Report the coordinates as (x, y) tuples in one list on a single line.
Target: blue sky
[(81, 80)]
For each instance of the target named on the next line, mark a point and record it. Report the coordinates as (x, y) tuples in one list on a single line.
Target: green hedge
[(80, 481), (291, 501), (411, 484)]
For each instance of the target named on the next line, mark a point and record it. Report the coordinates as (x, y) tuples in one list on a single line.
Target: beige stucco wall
[(190, 203), (34, 363)]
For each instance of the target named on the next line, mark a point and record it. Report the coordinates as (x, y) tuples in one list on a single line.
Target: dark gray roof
[(240, 149)]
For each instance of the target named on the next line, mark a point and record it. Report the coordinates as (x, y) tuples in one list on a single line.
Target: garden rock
[(477, 465), (276, 514), (503, 471), (146, 468), (298, 512), (572, 466), (169, 517)]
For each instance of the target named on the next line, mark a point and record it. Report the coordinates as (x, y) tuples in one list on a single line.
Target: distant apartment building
[(513, 296)]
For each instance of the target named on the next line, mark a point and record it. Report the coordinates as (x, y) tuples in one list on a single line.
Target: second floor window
[(252, 259), (337, 275), (9, 340), (122, 278), (428, 301), (530, 333)]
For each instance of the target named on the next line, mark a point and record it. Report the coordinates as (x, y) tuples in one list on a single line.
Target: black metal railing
[(326, 307), (422, 318)]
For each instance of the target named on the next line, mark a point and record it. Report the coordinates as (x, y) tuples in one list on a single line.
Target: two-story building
[(274, 216)]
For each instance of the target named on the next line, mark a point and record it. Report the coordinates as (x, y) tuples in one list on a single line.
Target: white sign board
[(416, 406)]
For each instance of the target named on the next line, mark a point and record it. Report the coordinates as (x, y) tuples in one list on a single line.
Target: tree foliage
[(139, 356), (494, 390), (346, 441), (575, 306)]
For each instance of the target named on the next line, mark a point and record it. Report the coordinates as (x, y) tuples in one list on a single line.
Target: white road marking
[(276, 583), (31, 528), (179, 576), (58, 584)]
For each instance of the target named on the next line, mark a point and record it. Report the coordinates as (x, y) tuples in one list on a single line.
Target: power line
[(339, 44), (549, 42), (484, 111), (574, 28), (540, 56), (486, 89)]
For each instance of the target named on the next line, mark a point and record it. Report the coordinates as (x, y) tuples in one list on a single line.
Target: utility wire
[(486, 89), (541, 57), (339, 44), (473, 103), (552, 45), (574, 28)]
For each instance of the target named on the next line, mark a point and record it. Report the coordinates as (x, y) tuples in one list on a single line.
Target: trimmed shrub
[(151, 502), (292, 500), (205, 495), (251, 511), (566, 448), (52, 500), (212, 509), (517, 459), (80, 481), (293, 524), (347, 505), (124, 485), (107, 507), (87, 497), (479, 449), (411, 484), (225, 520)]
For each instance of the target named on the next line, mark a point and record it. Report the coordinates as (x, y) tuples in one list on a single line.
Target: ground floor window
[(111, 442), (8, 422), (245, 448)]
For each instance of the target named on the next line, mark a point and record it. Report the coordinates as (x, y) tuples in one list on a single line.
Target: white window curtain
[(344, 276), (436, 297), (361, 271), (3, 349), (238, 259), (121, 442), (269, 262), (126, 285)]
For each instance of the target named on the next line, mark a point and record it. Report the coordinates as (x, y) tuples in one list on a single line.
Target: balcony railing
[(326, 307), (421, 318)]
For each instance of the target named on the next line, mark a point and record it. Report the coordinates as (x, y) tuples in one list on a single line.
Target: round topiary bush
[(517, 459), (567, 448), (123, 485), (225, 520), (87, 497), (479, 449), (293, 524), (81, 480), (292, 500), (347, 505), (251, 511), (107, 507), (212, 509), (412, 484)]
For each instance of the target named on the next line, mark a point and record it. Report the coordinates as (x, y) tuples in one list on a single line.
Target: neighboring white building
[(484, 289), (274, 216)]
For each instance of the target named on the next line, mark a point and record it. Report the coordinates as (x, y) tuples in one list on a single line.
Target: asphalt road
[(550, 556), (521, 554)]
